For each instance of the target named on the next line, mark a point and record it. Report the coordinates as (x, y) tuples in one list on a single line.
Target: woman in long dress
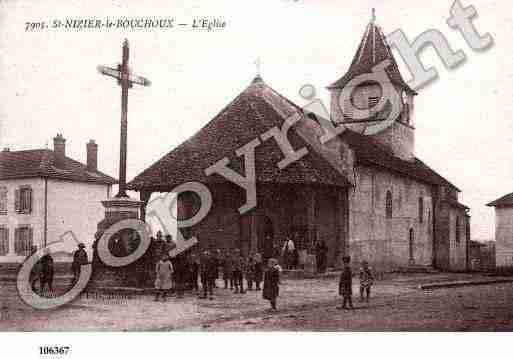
[(164, 277)]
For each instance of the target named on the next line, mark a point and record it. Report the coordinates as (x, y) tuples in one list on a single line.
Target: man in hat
[(79, 259)]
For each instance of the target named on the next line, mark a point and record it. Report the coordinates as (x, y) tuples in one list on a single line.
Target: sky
[(464, 125)]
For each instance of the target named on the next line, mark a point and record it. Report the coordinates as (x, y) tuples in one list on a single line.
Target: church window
[(23, 240), (4, 241), (411, 243), (3, 200), (458, 234), (389, 204), (421, 209)]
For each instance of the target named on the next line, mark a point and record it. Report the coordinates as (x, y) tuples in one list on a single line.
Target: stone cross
[(258, 63), (126, 79)]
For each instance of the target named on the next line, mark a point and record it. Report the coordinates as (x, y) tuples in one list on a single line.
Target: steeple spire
[(373, 16)]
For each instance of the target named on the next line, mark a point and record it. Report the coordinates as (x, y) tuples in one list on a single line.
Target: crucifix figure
[(126, 79)]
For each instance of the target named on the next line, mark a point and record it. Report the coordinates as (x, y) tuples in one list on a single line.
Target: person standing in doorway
[(345, 284), (271, 283), (321, 251), (258, 271), (288, 252)]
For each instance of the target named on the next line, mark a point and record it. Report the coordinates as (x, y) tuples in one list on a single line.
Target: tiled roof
[(42, 163), (506, 200), (253, 112), (372, 50), (247, 117), (369, 151)]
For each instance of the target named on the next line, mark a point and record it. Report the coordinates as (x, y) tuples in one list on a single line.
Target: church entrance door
[(265, 234)]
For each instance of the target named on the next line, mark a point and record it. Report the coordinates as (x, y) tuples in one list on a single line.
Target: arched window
[(421, 209), (389, 204), (411, 240), (458, 229)]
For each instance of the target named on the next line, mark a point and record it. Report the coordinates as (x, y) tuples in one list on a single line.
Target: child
[(366, 281), (227, 264), (345, 284), (250, 268), (258, 271), (238, 272), (271, 283)]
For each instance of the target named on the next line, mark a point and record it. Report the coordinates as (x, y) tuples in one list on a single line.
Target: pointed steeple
[(372, 50)]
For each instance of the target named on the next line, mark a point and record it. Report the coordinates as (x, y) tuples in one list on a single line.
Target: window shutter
[(17, 200), (30, 241), (29, 200), (7, 240), (17, 240)]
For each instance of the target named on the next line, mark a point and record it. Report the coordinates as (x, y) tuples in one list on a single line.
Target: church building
[(364, 195)]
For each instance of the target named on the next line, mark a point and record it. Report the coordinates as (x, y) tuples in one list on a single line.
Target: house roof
[(372, 50), (42, 163), (506, 200), (257, 109)]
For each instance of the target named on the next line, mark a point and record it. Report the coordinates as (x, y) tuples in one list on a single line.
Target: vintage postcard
[(256, 166)]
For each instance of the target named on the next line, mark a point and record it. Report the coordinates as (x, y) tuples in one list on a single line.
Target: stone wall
[(504, 236), (383, 241)]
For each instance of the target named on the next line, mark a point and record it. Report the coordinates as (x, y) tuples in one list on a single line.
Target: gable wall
[(382, 241)]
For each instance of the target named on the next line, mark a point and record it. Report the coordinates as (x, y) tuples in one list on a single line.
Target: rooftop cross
[(258, 63), (126, 79)]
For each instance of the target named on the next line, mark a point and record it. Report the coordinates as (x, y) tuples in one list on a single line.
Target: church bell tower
[(399, 136)]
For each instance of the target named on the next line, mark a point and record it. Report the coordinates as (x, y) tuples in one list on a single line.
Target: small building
[(44, 194), (368, 196), (503, 230)]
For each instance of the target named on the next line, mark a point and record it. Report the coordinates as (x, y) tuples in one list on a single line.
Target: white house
[(44, 194), (503, 230)]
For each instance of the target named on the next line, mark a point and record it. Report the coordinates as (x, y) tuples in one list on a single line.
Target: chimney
[(92, 156), (59, 147)]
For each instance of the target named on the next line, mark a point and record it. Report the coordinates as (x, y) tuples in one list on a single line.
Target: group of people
[(185, 271), (345, 284), (43, 270)]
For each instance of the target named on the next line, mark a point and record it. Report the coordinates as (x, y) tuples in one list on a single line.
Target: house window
[(389, 204), (458, 234), (3, 200), (421, 209), (23, 240), (4, 241), (23, 200)]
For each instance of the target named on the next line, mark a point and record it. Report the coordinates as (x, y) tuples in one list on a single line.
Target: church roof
[(506, 200), (257, 109), (254, 111), (372, 50), (42, 163), (370, 152)]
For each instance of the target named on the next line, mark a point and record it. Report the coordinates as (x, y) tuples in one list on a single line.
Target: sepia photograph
[(255, 167)]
